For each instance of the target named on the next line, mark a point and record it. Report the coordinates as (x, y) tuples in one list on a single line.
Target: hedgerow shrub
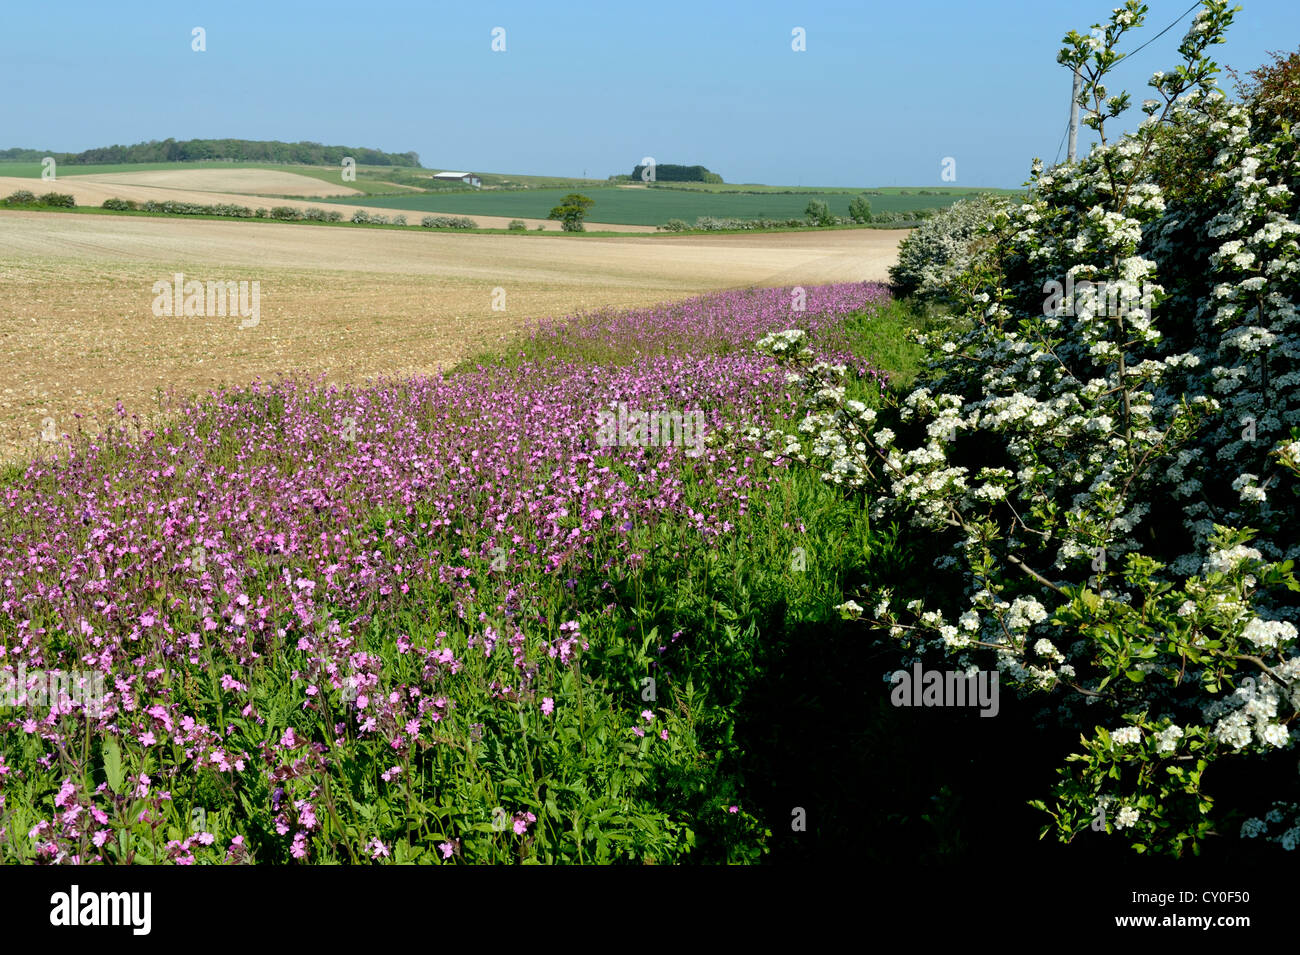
[(399, 220), (175, 208), (715, 223), (517, 225), (192, 208), (118, 205), (938, 250), (905, 217), (1106, 462), (448, 222), (287, 213), (56, 199), (360, 216)]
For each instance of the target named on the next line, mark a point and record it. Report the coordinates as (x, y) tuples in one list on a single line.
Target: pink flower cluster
[(242, 533)]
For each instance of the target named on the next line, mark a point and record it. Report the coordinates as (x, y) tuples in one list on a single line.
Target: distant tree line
[(234, 150), (19, 154), (668, 172)]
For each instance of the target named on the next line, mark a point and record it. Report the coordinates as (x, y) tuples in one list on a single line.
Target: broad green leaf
[(113, 765)]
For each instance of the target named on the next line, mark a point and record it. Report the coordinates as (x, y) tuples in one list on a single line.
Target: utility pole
[(1074, 116)]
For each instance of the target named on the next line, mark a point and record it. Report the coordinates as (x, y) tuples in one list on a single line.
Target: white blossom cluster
[(939, 250), (793, 341), (1255, 716), (837, 429)]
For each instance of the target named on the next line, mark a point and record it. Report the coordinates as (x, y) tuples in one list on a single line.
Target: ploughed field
[(78, 332)]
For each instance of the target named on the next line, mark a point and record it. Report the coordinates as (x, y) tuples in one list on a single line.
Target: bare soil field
[(253, 182), (78, 333)]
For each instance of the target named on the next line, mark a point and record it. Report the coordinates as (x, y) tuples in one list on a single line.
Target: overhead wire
[(1162, 32)]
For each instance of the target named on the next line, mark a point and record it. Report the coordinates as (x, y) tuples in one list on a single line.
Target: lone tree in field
[(571, 211)]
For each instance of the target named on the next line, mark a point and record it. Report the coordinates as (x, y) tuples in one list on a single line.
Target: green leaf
[(113, 764)]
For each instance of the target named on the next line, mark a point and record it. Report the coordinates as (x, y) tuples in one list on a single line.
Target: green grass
[(885, 335)]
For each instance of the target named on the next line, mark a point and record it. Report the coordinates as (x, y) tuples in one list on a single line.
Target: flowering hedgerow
[(933, 256), (381, 623), (1106, 461)]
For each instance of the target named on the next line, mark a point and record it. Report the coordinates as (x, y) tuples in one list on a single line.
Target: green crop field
[(635, 206), (527, 196)]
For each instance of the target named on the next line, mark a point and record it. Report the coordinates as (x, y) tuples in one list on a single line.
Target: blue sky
[(882, 94)]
